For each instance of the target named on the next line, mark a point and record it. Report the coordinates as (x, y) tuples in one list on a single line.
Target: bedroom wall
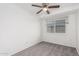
[(77, 24), (18, 29), (68, 38)]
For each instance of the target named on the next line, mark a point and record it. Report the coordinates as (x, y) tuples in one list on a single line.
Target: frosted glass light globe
[(45, 9)]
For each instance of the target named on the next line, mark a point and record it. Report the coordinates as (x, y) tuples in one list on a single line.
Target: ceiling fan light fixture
[(45, 9)]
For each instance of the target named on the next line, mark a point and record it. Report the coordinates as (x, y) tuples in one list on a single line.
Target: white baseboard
[(58, 43)]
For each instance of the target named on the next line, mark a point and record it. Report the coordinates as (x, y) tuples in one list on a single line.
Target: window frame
[(55, 28)]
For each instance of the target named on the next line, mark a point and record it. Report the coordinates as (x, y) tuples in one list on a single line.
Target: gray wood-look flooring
[(48, 49)]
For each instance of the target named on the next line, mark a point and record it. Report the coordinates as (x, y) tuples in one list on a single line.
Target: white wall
[(68, 38), (77, 24), (18, 29)]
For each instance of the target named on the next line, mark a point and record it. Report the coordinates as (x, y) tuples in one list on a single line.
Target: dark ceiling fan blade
[(55, 6), (36, 5), (48, 12), (39, 11)]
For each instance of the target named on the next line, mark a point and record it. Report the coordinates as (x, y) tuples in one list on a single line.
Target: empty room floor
[(48, 49)]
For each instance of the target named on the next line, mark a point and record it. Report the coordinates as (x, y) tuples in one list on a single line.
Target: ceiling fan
[(45, 7)]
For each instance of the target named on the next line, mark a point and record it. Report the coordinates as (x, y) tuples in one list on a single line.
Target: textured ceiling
[(33, 10)]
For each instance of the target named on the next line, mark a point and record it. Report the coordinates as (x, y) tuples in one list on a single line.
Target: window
[(50, 27), (57, 26), (60, 26)]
